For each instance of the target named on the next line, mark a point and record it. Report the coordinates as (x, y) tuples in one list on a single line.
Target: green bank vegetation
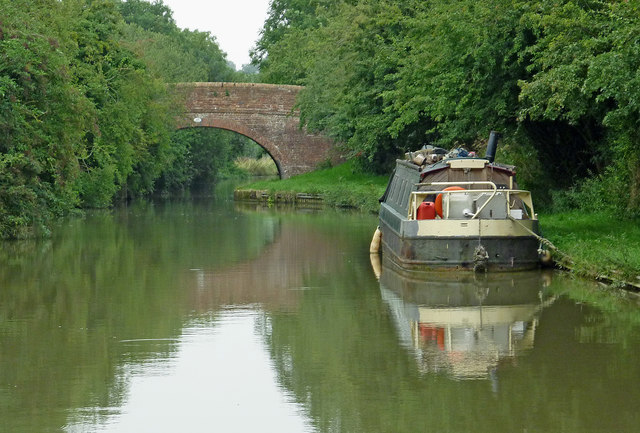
[(343, 186), (599, 245)]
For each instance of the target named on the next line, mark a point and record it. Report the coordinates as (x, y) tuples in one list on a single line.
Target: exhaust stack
[(492, 145)]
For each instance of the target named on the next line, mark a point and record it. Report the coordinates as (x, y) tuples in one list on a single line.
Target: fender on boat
[(375, 242)]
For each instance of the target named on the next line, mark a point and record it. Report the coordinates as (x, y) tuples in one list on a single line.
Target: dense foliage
[(86, 115), (559, 79)]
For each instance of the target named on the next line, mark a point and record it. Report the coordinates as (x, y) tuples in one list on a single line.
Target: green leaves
[(584, 68), (38, 119), (85, 117), (559, 79)]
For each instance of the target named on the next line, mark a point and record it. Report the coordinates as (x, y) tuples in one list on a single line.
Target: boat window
[(393, 197), (405, 194), (400, 193)]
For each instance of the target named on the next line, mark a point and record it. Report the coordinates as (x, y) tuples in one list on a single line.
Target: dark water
[(205, 316)]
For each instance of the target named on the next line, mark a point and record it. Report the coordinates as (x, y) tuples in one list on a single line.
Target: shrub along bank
[(599, 245)]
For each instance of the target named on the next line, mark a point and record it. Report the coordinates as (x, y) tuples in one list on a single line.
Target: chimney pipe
[(492, 145)]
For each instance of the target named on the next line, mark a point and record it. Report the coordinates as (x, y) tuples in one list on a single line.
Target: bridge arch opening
[(266, 143), (203, 156)]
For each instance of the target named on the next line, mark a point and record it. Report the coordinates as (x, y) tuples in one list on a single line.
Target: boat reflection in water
[(465, 325)]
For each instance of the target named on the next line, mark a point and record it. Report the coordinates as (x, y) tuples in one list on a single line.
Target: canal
[(207, 315)]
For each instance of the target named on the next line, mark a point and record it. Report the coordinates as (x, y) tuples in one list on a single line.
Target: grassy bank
[(341, 186), (599, 245)]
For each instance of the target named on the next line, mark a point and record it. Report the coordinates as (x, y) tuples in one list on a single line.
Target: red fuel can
[(426, 211)]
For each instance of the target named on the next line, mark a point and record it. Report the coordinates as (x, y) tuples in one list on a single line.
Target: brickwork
[(264, 113)]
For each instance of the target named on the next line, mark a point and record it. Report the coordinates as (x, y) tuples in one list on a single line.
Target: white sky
[(235, 23)]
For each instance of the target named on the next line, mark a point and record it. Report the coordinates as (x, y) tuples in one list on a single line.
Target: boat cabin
[(457, 188)]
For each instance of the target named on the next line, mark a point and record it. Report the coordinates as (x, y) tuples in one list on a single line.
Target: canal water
[(207, 315)]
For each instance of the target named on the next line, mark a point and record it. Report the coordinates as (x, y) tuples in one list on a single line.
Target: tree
[(584, 65)]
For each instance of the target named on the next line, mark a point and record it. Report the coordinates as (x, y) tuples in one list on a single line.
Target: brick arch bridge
[(264, 113)]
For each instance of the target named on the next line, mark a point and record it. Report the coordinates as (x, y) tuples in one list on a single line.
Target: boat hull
[(440, 244)]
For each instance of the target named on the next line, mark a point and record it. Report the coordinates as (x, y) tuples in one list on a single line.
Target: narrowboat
[(454, 210)]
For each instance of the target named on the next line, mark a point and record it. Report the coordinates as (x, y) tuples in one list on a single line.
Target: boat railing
[(418, 196)]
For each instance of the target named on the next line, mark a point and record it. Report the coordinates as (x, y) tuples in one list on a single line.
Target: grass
[(340, 186), (599, 244)]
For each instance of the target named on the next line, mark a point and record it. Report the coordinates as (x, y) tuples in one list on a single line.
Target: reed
[(263, 166)]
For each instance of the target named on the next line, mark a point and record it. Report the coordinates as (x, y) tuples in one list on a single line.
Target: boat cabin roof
[(465, 164)]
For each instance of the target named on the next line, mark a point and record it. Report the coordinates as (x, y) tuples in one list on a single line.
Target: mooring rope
[(544, 241)]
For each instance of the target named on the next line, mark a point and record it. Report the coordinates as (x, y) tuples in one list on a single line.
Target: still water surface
[(206, 315)]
